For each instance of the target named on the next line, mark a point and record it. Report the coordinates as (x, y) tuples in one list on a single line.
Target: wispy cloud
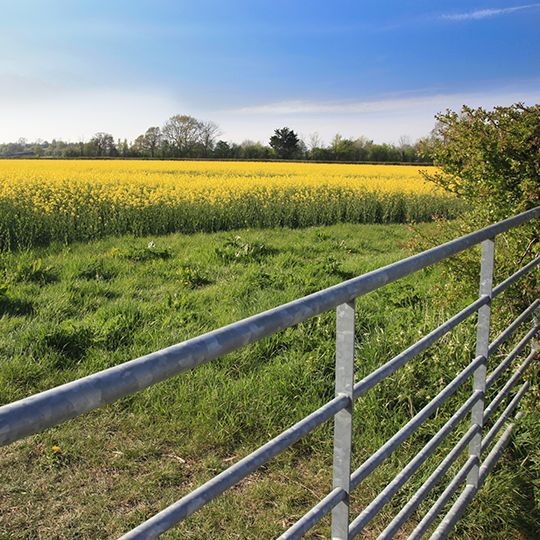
[(486, 13), (300, 107), (384, 119)]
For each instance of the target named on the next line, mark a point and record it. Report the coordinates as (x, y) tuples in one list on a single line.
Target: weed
[(191, 276), (236, 249), (34, 271)]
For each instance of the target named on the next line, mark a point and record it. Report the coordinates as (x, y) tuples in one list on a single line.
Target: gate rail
[(33, 414)]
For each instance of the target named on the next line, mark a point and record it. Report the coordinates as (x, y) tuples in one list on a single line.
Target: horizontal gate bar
[(495, 453), (422, 492), (509, 330), (311, 518), (459, 507), (443, 499), (455, 512), (189, 504), (54, 406), (412, 425), (390, 490), (511, 356), (376, 376), (486, 441), (491, 408), (514, 277)]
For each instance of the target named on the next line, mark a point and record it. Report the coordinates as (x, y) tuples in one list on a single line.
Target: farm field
[(70, 310), (62, 200)]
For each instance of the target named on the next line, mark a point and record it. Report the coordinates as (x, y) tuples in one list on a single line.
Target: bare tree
[(314, 141), (182, 132), (209, 132)]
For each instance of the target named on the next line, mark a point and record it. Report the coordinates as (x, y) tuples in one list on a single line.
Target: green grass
[(66, 312)]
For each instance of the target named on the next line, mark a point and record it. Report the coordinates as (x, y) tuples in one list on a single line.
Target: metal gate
[(33, 414)]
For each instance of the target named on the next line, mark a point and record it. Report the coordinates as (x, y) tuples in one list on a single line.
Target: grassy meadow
[(44, 201), (70, 310)]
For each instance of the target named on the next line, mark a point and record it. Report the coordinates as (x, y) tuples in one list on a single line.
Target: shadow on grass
[(10, 306)]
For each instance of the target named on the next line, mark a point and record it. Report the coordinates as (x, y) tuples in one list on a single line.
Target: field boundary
[(240, 160)]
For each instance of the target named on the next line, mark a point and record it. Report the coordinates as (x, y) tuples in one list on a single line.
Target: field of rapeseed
[(46, 201)]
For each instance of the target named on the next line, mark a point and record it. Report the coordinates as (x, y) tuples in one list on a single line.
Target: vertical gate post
[(343, 419), (482, 345), (535, 343)]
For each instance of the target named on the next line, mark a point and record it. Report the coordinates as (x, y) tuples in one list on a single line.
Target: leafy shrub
[(491, 159)]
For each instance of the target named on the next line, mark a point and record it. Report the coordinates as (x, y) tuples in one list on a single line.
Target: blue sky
[(376, 68)]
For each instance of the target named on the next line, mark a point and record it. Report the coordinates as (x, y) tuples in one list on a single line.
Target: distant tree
[(209, 131), (151, 140), (182, 133), (138, 147), (343, 149), (103, 144), (285, 143), (222, 149), (255, 150), (384, 152), (314, 141), (123, 148)]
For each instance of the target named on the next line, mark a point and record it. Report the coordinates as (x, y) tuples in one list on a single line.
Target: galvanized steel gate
[(54, 406)]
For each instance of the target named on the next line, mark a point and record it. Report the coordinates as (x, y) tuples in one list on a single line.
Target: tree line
[(184, 136)]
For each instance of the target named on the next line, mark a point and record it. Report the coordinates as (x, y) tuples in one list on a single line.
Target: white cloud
[(383, 120), (486, 13), (345, 107)]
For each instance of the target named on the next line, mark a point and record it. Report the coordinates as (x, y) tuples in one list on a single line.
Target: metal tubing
[(410, 427), (495, 453), (183, 508), (509, 330), (361, 387), (514, 277), (343, 419), (506, 388), (455, 512), (535, 345), (390, 490), (482, 349), (444, 497), (511, 356), (422, 492), (504, 416), (309, 519), (54, 406)]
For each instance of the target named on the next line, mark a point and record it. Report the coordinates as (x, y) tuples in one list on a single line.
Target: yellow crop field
[(43, 201)]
